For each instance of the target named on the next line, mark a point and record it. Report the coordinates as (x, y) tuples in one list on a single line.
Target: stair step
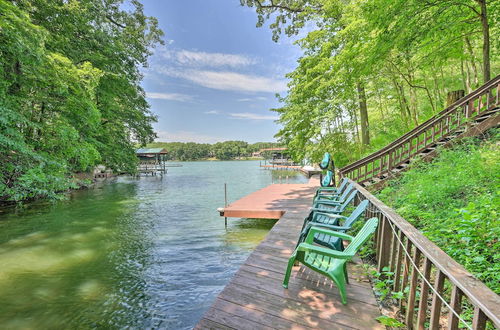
[(483, 117), (427, 151)]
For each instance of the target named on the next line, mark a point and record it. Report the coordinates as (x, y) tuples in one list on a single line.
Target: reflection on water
[(135, 253)]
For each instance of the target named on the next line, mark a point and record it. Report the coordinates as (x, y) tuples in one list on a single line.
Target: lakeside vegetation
[(227, 150), (70, 94), (455, 202)]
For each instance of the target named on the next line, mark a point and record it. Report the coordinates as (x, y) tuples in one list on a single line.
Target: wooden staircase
[(469, 116)]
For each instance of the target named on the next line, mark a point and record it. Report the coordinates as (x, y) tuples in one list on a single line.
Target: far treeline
[(372, 70), (227, 150)]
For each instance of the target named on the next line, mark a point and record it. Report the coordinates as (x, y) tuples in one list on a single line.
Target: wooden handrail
[(406, 138), (427, 256)]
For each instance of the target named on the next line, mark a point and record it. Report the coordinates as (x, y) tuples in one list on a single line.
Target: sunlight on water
[(137, 253)]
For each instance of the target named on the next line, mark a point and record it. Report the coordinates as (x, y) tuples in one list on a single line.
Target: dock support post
[(225, 203)]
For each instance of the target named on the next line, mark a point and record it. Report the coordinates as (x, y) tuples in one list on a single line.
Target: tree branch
[(276, 6), (115, 22)]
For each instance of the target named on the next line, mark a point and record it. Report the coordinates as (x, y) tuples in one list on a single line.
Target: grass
[(455, 201)]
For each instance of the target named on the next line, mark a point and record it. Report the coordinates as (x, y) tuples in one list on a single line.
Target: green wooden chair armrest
[(324, 251), (327, 188), (313, 230), (326, 198), (327, 226), (327, 193), (322, 225), (328, 203), (315, 209), (334, 216)]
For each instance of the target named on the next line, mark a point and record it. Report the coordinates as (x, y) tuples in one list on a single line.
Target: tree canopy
[(372, 70), (70, 94)]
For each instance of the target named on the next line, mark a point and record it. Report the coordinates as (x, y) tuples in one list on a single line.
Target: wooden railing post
[(479, 320), (385, 245), (436, 301), (410, 309), (424, 294), (456, 305)]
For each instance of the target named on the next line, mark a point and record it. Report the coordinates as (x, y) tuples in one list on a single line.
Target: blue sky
[(216, 77)]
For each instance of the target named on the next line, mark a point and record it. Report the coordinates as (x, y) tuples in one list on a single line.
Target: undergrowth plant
[(455, 202)]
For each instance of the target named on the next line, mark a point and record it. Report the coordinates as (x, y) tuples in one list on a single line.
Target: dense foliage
[(372, 70), (69, 90), (455, 202), (221, 150)]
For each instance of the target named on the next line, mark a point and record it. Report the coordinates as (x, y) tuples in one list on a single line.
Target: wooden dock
[(282, 167), (255, 298), (270, 202)]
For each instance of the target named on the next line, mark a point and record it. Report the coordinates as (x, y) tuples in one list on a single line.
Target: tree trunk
[(363, 115), (486, 41), (454, 96), (405, 112), (472, 61), (464, 76)]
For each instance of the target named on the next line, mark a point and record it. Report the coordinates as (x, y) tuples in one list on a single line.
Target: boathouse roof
[(143, 151)]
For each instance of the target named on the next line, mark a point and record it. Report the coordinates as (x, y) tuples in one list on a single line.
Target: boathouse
[(151, 155), (152, 161)]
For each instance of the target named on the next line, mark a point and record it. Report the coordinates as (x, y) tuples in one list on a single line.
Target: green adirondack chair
[(333, 206), (335, 198), (331, 221), (333, 190), (328, 262)]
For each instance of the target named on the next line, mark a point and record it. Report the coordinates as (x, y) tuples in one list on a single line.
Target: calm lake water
[(135, 253)]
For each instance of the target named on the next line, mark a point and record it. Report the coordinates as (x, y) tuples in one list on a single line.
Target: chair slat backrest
[(348, 201), (362, 236), (343, 184), (346, 192), (358, 211)]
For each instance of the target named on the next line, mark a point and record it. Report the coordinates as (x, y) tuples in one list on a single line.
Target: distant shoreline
[(213, 159)]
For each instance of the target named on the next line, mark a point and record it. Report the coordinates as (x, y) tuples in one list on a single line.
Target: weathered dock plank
[(255, 298)]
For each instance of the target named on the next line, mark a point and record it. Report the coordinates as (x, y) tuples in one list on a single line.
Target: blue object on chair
[(327, 179), (325, 162)]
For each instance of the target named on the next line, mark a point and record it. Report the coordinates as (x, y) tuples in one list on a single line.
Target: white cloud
[(229, 81), (258, 98), (204, 59), (186, 136), (169, 96), (252, 116), (212, 112)]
